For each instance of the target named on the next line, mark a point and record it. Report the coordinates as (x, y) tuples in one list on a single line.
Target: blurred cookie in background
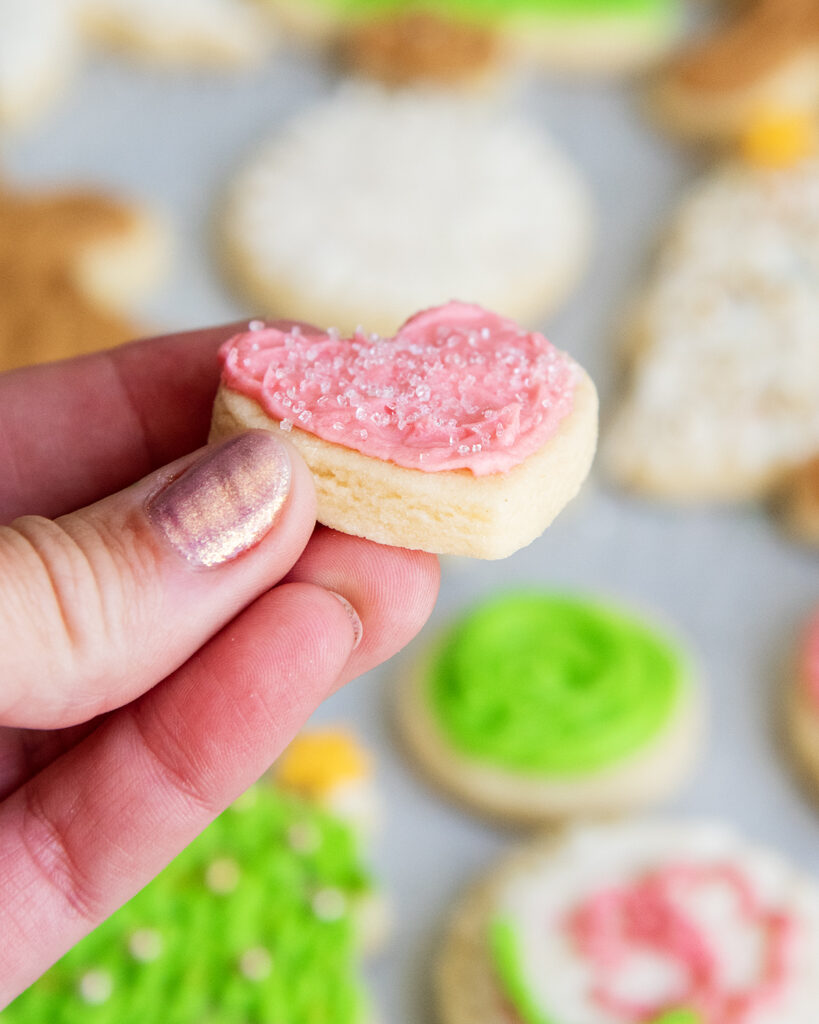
[(797, 503), (264, 917), (578, 36), (723, 375), (39, 49), (375, 204), (765, 56), (72, 263), (198, 33), (644, 922), (802, 704), (536, 707)]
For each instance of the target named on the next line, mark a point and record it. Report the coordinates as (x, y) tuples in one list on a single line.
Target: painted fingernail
[(355, 619), (226, 502)]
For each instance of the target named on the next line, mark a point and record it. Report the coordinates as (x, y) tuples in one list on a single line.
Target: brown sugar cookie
[(419, 45), (767, 56), (798, 503), (70, 262)]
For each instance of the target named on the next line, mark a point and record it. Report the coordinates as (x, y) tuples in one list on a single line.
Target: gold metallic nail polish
[(227, 501)]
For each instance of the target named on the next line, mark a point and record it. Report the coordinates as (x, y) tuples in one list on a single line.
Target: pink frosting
[(650, 917), (810, 660), (456, 388)]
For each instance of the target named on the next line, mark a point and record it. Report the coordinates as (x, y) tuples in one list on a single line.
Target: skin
[(139, 696)]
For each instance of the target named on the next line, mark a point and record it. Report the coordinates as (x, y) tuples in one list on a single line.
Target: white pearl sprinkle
[(145, 944), (222, 876), (256, 964), (96, 987), (329, 904)]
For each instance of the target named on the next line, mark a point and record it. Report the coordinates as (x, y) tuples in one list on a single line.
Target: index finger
[(74, 431)]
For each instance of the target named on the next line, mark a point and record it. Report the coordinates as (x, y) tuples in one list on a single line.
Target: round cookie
[(463, 434), (188, 32), (258, 920), (375, 204), (723, 375), (71, 263), (573, 35), (802, 710), (767, 56), (534, 707), (664, 922), (38, 51)]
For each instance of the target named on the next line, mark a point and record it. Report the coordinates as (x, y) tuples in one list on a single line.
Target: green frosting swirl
[(290, 856), (500, 10), (552, 686)]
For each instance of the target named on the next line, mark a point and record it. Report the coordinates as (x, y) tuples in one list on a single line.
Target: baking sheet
[(725, 579)]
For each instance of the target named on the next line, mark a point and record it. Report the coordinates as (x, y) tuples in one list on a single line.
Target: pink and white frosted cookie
[(724, 375), (38, 50), (802, 716), (200, 32), (375, 204), (463, 434), (641, 923)]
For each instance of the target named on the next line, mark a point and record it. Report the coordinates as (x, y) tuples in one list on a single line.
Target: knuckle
[(47, 841)]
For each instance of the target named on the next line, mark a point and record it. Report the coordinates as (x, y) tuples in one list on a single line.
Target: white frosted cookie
[(664, 922), (38, 51), (373, 205), (463, 434), (535, 707), (206, 32), (722, 397)]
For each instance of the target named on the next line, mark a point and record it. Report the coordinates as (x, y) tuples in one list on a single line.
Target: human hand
[(160, 646)]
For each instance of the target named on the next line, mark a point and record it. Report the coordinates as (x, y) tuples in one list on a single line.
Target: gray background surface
[(733, 587)]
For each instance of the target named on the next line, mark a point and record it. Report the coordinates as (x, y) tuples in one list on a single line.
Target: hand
[(160, 646)]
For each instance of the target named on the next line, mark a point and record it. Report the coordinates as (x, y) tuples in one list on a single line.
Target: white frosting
[(223, 29), (398, 202), (37, 47), (539, 899), (727, 383)]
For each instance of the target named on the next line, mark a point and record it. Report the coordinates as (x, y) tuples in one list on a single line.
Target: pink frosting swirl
[(456, 388), (650, 918)]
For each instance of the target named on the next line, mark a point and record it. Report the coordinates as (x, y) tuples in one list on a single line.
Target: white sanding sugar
[(727, 379), (397, 202)]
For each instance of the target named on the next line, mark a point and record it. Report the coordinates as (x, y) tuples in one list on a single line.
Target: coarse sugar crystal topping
[(457, 388)]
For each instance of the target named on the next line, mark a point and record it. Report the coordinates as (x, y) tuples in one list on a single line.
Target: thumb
[(98, 606)]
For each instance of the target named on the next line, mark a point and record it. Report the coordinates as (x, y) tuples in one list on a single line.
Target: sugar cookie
[(575, 35), (375, 204), (535, 707), (802, 711), (39, 44), (639, 923), (70, 264), (798, 503), (722, 400), (206, 32), (462, 435), (258, 920), (766, 57)]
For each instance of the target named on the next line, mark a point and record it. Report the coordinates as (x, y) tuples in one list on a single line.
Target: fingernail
[(355, 619), (226, 502)]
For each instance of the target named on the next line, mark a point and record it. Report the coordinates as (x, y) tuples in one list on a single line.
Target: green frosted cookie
[(254, 923), (537, 706)]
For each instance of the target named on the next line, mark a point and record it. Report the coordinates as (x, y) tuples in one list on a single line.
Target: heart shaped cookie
[(462, 434)]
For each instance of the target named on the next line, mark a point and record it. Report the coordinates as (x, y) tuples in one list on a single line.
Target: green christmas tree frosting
[(255, 923)]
